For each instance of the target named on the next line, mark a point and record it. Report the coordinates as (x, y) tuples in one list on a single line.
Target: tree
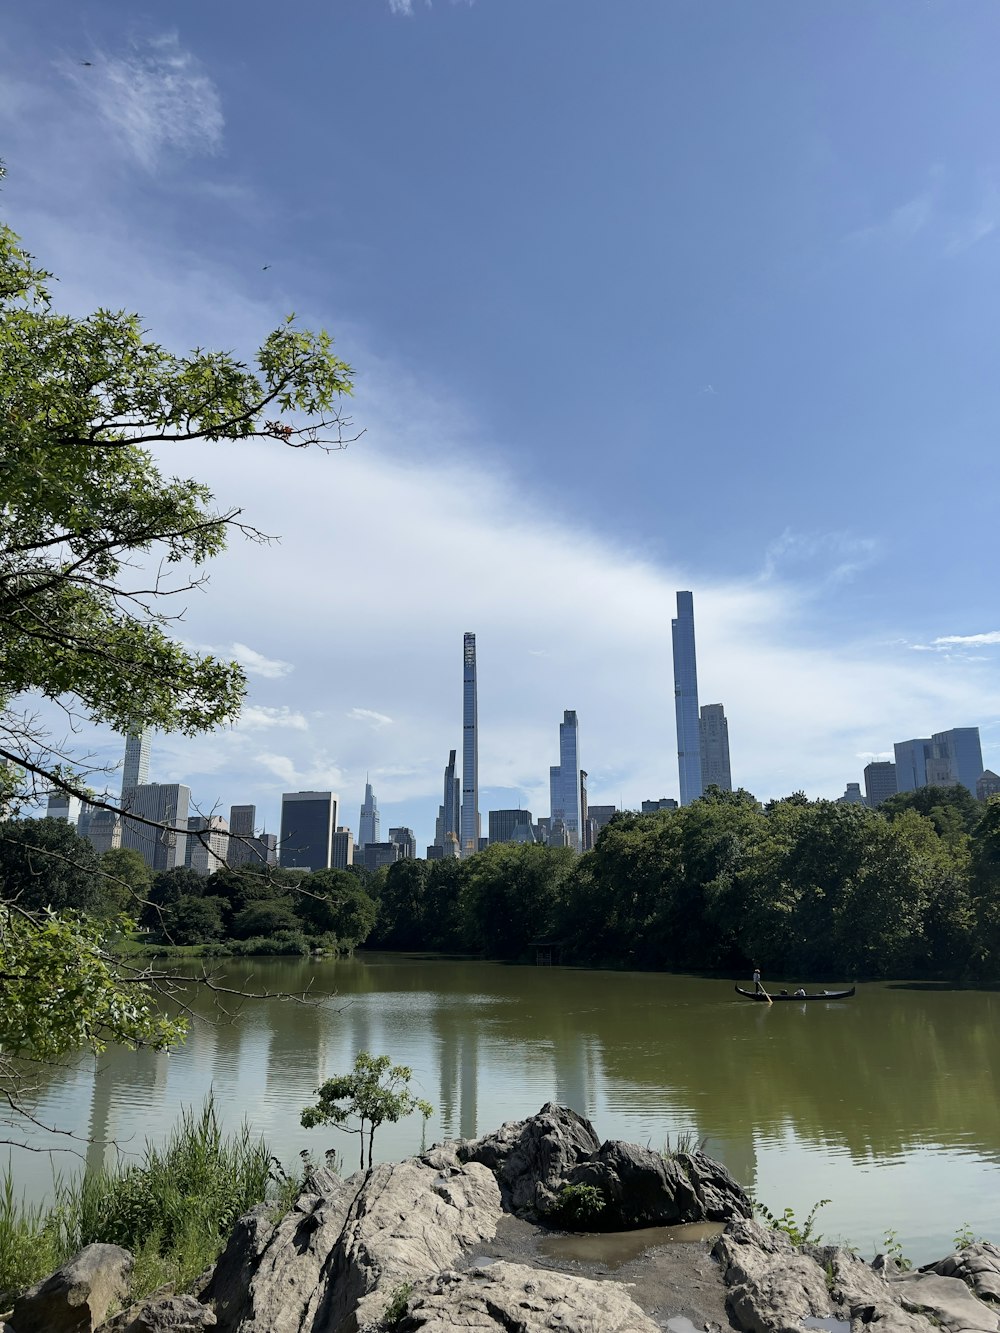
[(84, 511), (194, 920), (332, 902), (45, 863), (124, 878), (376, 1090)]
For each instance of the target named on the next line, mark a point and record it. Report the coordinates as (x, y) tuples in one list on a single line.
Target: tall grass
[(174, 1210)]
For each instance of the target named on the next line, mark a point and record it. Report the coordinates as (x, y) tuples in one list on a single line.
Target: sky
[(659, 295)]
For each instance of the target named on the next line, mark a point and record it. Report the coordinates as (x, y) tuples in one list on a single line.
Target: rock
[(947, 1300), (269, 1272), (531, 1158), (172, 1314), (75, 1298), (513, 1297), (641, 1188), (410, 1220), (977, 1265)]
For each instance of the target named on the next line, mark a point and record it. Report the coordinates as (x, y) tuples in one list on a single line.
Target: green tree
[(84, 506), (194, 920), (124, 880), (375, 1091), (45, 863), (515, 894), (272, 917), (332, 902)]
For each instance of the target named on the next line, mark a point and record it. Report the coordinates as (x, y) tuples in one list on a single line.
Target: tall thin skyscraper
[(469, 839), (714, 731), (565, 788), (135, 770), (368, 826), (686, 700), (449, 818)]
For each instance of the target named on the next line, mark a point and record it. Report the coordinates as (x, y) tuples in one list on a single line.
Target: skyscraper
[(242, 819), (686, 700), (368, 826), (713, 731), (911, 763), (63, 806), (343, 849), (941, 760), (564, 782), (135, 770), (406, 841), (166, 806), (880, 782), (207, 843), (469, 836), (308, 819), (504, 822)]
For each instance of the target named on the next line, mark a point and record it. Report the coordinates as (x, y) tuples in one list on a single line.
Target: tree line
[(809, 889)]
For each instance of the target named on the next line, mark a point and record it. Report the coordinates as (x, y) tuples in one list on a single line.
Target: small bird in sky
[(265, 268), (88, 63)]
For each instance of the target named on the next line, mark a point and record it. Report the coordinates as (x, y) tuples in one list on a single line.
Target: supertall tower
[(470, 751), (135, 770), (565, 786), (368, 826), (450, 816), (686, 700)]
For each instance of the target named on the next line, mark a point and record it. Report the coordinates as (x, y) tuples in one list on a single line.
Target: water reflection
[(874, 1102)]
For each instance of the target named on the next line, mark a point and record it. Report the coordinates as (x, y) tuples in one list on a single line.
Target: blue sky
[(640, 297)]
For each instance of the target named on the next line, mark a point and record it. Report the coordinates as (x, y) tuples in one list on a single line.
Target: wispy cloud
[(824, 558), (945, 642), (258, 717), (256, 664), (155, 99), (369, 715), (401, 6), (903, 222)]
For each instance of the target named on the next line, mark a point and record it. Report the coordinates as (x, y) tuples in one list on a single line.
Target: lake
[(887, 1104)]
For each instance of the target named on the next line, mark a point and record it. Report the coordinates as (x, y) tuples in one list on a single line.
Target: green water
[(887, 1104)]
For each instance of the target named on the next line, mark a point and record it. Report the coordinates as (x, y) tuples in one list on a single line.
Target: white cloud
[(256, 664), (969, 640), (155, 99), (258, 717), (369, 715), (401, 6)]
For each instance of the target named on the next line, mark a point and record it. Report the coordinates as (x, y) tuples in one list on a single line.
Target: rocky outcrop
[(76, 1297), (514, 1297), (172, 1314), (776, 1287), (532, 1158), (978, 1266)]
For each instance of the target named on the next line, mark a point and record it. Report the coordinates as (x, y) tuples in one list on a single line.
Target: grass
[(174, 1211)]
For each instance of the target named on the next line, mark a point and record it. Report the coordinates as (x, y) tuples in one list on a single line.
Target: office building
[(101, 828), (449, 815), (159, 833), (374, 855), (343, 849), (406, 841), (564, 781), (941, 760), (880, 782), (664, 803), (207, 843), (469, 833), (65, 807), (987, 786), (504, 822), (599, 815), (242, 822), (852, 795), (135, 770), (686, 700), (713, 735), (586, 839), (308, 819), (368, 825)]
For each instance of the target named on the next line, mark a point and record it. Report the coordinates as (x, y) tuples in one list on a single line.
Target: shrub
[(578, 1205), (287, 942)]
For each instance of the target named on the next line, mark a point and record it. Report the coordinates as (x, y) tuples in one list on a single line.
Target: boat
[(816, 995)]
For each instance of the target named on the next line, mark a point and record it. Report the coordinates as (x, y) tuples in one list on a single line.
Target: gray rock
[(269, 1272), (947, 1300), (530, 1158), (75, 1298), (172, 1314), (977, 1265), (517, 1299), (641, 1188), (409, 1221)]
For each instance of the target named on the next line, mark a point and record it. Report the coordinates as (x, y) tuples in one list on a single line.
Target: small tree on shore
[(375, 1091)]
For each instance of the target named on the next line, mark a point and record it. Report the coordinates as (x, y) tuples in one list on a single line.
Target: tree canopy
[(86, 512)]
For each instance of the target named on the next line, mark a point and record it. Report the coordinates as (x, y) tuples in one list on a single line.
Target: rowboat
[(816, 995)]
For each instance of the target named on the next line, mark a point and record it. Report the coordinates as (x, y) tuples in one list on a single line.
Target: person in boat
[(758, 988), (783, 992), (800, 993)]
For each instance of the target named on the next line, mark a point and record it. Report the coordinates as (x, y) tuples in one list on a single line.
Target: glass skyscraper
[(564, 781), (686, 700), (368, 827), (469, 840), (135, 770), (308, 819)]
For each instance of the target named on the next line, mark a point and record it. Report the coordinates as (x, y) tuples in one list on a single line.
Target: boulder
[(772, 1286), (75, 1298), (977, 1265), (514, 1297), (642, 1188), (531, 1158), (948, 1302), (172, 1314)]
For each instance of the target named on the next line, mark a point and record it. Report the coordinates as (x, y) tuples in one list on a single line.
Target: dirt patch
[(670, 1276)]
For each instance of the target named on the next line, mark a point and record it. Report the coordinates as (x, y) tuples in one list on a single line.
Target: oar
[(766, 996)]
